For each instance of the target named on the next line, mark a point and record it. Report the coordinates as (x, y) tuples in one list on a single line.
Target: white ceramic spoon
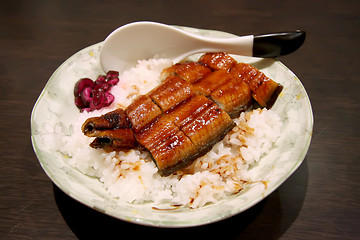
[(143, 40)]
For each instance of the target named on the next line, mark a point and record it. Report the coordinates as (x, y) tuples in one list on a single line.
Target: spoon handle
[(277, 44)]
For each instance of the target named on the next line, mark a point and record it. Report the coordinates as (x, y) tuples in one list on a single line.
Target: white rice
[(132, 176)]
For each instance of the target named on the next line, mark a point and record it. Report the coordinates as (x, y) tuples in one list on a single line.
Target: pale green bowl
[(55, 112)]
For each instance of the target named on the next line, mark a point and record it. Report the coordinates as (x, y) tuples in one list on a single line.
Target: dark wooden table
[(321, 200)]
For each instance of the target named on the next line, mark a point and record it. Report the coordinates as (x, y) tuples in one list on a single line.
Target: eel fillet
[(184, 116)]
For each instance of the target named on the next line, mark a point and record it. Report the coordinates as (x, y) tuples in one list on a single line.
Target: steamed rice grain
[(132, 176)]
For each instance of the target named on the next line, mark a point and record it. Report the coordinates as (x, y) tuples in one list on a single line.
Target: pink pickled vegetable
[(93, 95)]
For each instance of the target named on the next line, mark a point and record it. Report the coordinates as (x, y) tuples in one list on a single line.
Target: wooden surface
[(320, 200)]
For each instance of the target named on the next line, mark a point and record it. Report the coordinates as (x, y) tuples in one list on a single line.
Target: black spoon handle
[(277, 44)]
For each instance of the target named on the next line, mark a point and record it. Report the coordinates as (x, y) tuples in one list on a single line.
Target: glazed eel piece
[(263, 89), (112, 131), (172, 122), (183, 117)]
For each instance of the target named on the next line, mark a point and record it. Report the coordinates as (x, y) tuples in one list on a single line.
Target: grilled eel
[(183, 117)]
